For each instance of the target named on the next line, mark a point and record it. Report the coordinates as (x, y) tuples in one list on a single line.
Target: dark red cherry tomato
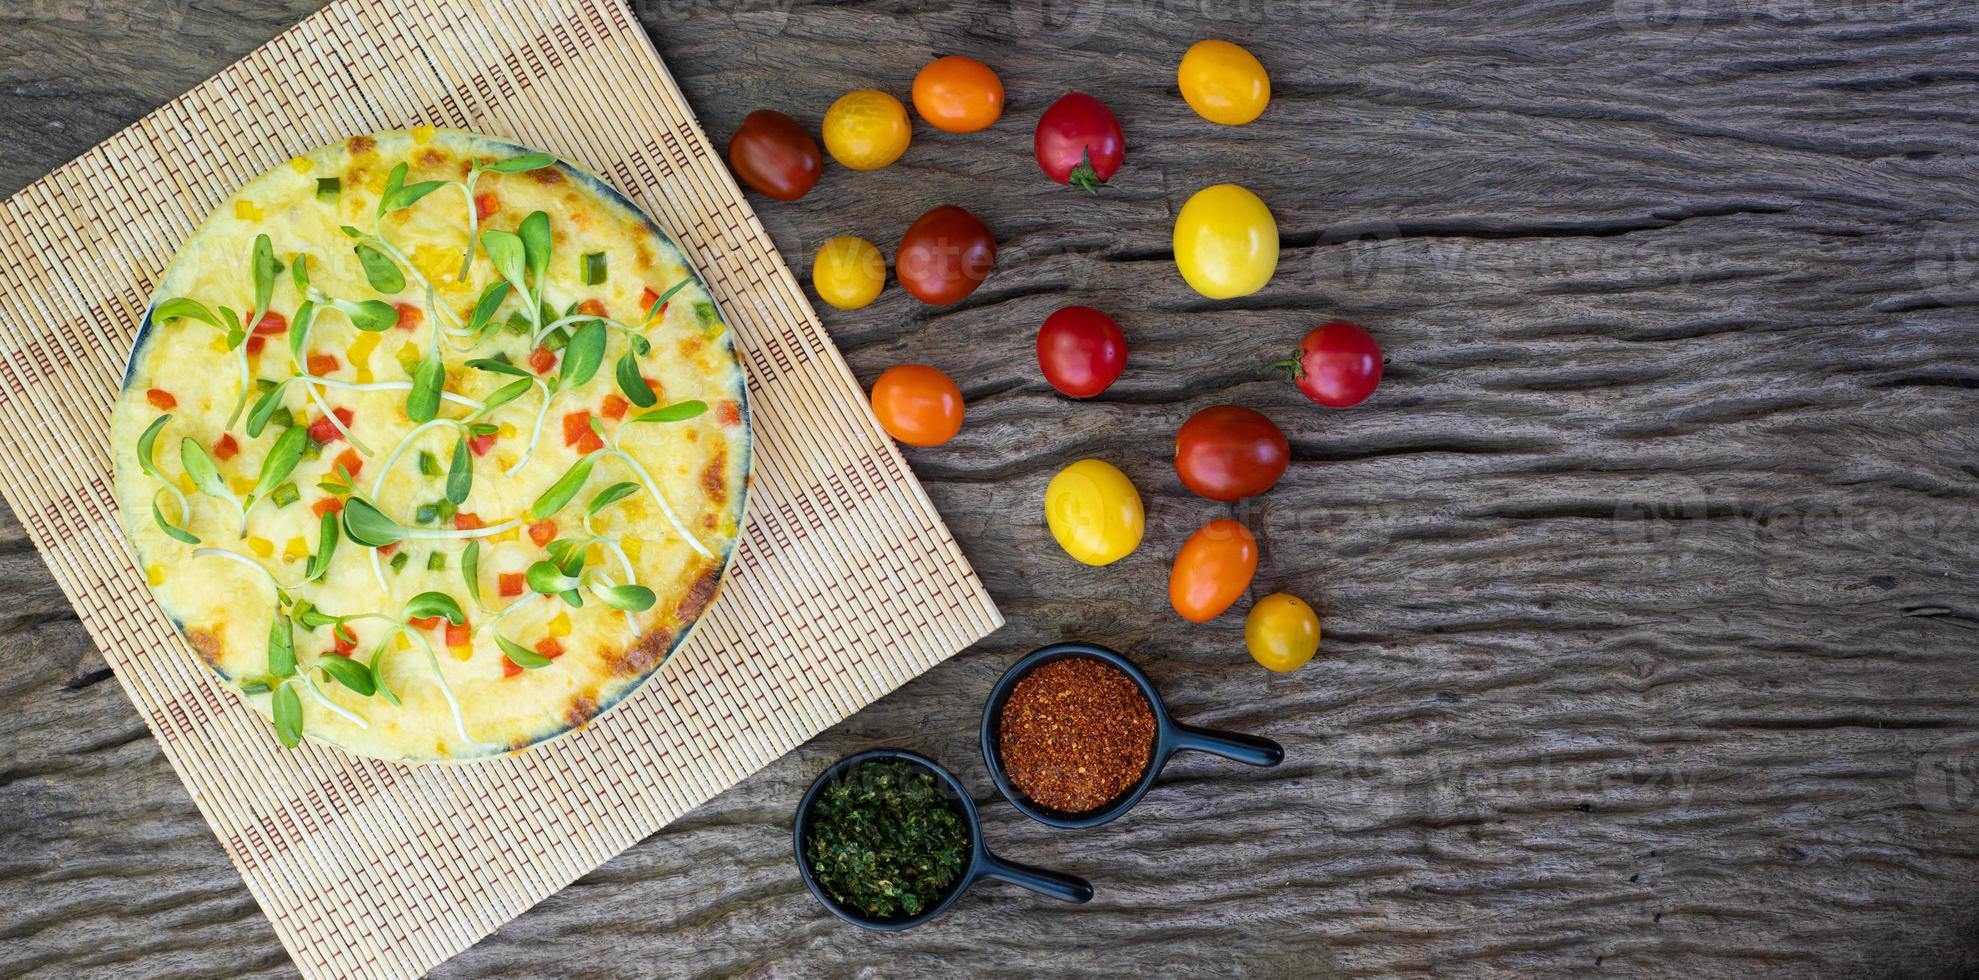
[(1078, 142), (944, 256), (1337, 365), (1227, 452), (1081, 351), (774, 155)]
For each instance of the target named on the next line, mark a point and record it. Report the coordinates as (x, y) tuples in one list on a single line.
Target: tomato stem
[(1292, 364), (1084, 176)]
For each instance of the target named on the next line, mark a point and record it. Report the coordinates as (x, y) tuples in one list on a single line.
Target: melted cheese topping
[(226, 608)]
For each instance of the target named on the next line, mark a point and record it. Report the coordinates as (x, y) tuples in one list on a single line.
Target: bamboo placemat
[(847, 582)]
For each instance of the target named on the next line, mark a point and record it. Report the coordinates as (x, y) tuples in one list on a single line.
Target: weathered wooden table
[(1648, 576)]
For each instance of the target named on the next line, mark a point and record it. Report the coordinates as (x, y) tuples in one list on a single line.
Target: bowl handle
[(1247, 749), (1064, 887)]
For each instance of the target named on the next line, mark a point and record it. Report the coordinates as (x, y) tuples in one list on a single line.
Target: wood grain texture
[(1648, 577)]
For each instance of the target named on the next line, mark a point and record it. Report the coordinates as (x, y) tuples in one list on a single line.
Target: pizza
[(433, 447)]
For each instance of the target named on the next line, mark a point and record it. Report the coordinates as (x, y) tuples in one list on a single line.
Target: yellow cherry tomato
[(1223, 82), (1094, 512), (848, 272), (1226, 243), (867, 129), (1282, 632)]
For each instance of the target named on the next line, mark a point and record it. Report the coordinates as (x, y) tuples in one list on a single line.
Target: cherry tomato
[(1338, 365), (1228, 452), (957, 94), (1224, 83), (918, 405), (1226, 242), (1081, 351), (1094, 512), (1078, 142), (774, 155), (867, 129), (1281, 631), (1212, 570), (848, 272), (944, 256)]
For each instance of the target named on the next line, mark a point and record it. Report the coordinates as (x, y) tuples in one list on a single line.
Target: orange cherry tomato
[(1212, 570), (957, 94), (918, 405)]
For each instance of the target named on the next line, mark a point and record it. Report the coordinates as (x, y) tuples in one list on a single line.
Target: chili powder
[(1076, 733)]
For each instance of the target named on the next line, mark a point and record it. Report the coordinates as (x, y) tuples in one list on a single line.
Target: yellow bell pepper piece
[(296, 550), (360, 356), (462, 652), (154, 575), (242, 485), (301, 165), (422, 134), (262, 547), (560, 624), (245, 210)]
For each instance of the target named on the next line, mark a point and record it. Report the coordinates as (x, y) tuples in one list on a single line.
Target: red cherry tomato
[(1212, 570), (1078, 142), (944, 256), (1081, 351), (918, 405), (1228, 452), (774, 155), (1337, 365)]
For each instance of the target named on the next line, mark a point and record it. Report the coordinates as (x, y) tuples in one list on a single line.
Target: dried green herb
[(884, 840)]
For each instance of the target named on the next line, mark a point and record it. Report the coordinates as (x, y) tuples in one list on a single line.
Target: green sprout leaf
[(264, 409), (535, 234), (561, 491), (370, 316), (498, 367), (288, 715), (611, 494), (299, 272), (281, 646), (282, 457), (350, 674), (470, 570), (145, 443), (460, 473), (399, 195), (505, 394), (654, 310), (676, 412), (365, 524), (521, 164), (520, 655), (422, 403), (174, 309), (581, 359), (378, 674), (630, 381), (172, 531), (426, 605), (326, 545), (631, 598), (505, 250), (305, 317), (547, 578), (381, 272), (484, 309), (200, 467), (265, 269)]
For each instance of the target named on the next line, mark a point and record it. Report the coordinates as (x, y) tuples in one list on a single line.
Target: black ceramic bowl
[(982, 864), (1170, 737)]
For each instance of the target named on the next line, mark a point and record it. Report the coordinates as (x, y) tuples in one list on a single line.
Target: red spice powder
[(1076, 733)]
